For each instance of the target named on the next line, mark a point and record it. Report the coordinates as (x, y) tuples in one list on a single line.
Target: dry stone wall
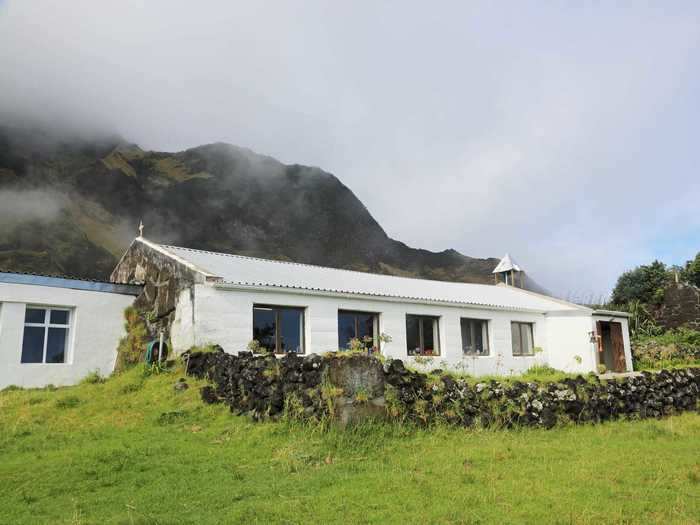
[(352, 387), (681, 307)]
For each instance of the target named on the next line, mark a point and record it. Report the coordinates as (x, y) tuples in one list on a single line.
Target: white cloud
[(561, 134)]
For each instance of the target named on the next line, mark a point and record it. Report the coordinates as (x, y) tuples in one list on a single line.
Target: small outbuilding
[(56, 330), (202, 297)]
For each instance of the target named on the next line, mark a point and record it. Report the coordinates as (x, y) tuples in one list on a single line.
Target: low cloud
[(28, 205), (564, 135)]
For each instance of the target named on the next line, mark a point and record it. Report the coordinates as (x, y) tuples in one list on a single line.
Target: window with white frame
[(523, 344), (422, 335), (475, 336), (45, 335)]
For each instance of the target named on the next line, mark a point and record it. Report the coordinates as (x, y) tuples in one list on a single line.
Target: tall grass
[(134, 450)]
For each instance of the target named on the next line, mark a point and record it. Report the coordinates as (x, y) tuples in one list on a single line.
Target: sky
[(565, 134)]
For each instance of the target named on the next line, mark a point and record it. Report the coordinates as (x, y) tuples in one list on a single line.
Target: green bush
[(680, 346), (645, 283), (68, 402), (691, 272), (93, 378), (132, 347)]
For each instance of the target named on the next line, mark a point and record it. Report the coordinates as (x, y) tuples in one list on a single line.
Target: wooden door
[(618, 347)]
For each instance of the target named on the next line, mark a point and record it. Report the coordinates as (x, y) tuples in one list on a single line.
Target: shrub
[(541, 371), (680, 346), (645, 283), (169, 418), (691, 272), (132, 347), (255, 347), (68, 402), (131, 387), (93, 378)]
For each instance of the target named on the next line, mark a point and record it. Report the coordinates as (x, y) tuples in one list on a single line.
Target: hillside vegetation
[(134, 450), (664, 306), (72, 205)]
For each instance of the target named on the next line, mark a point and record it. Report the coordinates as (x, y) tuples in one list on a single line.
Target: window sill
[(46, 364)]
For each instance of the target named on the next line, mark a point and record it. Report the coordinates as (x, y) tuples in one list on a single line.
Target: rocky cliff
[(71, 205)]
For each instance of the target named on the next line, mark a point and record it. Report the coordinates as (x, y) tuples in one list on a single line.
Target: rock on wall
[(348, 387), (681, 306), (166, 283)]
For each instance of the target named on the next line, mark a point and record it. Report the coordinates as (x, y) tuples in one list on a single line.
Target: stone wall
[(164, 280), (681, 307), (349, 387)]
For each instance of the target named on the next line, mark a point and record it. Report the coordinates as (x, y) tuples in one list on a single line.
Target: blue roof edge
[(70, 283)]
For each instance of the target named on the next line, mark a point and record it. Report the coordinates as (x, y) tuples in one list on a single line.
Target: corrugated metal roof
[(251, 271)]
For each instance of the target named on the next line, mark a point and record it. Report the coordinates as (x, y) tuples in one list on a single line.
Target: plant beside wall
[(322, 388), (678, 347), (132, 347)]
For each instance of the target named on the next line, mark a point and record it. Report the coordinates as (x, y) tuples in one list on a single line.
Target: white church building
[(57, 330), (232, 300)]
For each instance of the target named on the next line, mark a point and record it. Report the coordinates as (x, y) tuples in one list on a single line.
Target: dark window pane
[(365, 325), (34, 315), (291, 330), (412, 334), (264, 327), (33, 344), (59, 316), (428, 337), (56, 345), (346, 329)]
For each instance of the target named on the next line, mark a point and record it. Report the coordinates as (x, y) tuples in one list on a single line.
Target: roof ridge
[(294, 263)]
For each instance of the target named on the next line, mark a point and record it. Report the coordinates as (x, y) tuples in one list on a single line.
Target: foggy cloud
[(565, 136), (28, 205)]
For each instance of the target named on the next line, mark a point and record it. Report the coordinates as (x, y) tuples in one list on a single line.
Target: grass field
[(133, 450)]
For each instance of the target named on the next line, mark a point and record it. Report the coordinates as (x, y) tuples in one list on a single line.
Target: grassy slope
[(106, 454)]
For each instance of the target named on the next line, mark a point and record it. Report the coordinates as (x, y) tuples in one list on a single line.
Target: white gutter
[(348, 295)]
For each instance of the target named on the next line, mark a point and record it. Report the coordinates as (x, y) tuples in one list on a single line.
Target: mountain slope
[(71, 206)]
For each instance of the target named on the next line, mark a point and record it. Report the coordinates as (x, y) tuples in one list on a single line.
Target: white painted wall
[(225, 317), (569, 338), (182, 329), (96, 327)]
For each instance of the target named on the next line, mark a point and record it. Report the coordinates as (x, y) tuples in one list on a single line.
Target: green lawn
[(132, 450)]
